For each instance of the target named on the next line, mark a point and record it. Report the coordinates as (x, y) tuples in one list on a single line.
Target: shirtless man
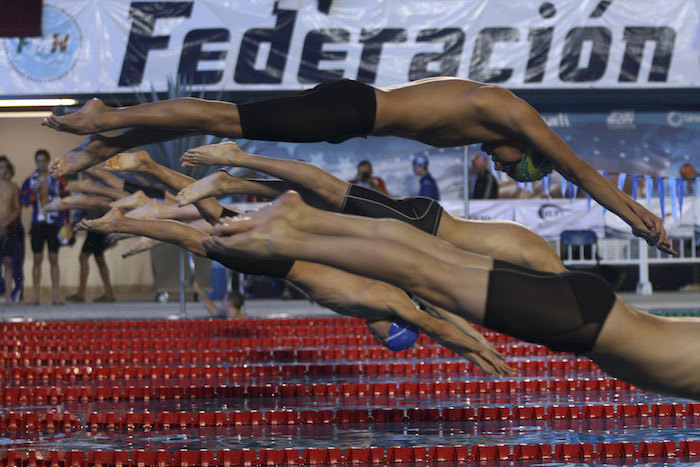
[(9, 213), (504, 240), (438, 111), (570, 312)]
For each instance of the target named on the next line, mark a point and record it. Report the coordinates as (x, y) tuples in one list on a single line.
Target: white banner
[(111, 46), (550, 218)]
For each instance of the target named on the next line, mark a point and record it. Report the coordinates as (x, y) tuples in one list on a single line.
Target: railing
[(630, 252)]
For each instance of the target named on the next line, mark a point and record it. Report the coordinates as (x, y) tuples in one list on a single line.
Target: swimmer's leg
[(307, 219), (214, 117), (98, 148), (220, 183), (169, 231), (655, 353), (155, 209), (326, 186), (503, 240), (141, 162)]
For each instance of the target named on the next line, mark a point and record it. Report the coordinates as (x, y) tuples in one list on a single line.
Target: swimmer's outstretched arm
[(500, 107), (470, 345)]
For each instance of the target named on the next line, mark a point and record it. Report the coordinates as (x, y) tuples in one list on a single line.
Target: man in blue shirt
[(428, 187)]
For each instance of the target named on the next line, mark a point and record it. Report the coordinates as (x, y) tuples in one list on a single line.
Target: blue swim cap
[(402, 335)]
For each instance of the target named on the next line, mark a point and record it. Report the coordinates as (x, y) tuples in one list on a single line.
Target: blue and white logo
[(48, 57)]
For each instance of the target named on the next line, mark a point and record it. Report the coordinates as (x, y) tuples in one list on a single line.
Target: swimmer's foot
[(109, 223), (263, 236), (57, 204), (153, 209), (94, 150), (133, 201), (129, 162), (88, 120), (215, 184), (141, 245), (227, 153), (289, 207)]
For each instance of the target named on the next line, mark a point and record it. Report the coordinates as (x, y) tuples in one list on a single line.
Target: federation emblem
[(51, 56)]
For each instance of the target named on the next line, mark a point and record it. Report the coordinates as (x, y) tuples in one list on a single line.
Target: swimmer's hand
[(651, 228), (489, 361), (656, 236)]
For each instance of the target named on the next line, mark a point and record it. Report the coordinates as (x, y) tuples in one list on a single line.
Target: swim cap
[(531, 167), (421, 160), (402, 335)]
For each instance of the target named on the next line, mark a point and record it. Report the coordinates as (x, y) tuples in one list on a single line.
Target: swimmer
[(442, 112), (341, 292), (570, 312), (344, 293), (504, 240)]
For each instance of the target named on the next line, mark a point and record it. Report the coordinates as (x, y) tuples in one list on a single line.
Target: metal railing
[(630, 252)]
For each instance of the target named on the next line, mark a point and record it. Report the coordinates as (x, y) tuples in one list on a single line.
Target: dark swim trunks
[(421, 212), (332, 111)]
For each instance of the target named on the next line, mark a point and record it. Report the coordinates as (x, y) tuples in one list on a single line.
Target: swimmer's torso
[(8, 193), (436, 111)]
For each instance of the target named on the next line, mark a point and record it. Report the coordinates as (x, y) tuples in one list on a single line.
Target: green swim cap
[(531, 167)]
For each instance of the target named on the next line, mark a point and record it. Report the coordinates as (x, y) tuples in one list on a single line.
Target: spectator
[(231, 307), (9, 213), (689, 174), (18, 256), (364, 178), (37, 191), (95, 244), (485, 184), (428, 187)]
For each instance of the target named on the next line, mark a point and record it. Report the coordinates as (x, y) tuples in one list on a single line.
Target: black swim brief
[(332, 111), (565, 312), (419, 211)]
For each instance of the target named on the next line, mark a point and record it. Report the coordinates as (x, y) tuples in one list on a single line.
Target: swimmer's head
[(519, 160), (396, 335)]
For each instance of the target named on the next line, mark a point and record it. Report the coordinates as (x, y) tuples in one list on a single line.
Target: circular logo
[(550, 211), (50, 56)]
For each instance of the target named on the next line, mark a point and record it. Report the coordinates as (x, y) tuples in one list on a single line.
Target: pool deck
[(256, 308)]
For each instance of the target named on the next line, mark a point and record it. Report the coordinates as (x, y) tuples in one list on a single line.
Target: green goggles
[(530, 168)]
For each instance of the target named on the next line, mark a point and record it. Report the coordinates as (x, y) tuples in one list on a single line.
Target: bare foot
[(56, 205), (93, 151), (134, 201), (128, 162), (211, 185), (288, 206), (143, 244), (259, 242), (150, 210), (85, 121), (227, 153), (58, 301), (108, 223)]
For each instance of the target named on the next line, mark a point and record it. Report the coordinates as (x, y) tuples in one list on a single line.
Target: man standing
[(9, 213), (38, 191), (428, 186)]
